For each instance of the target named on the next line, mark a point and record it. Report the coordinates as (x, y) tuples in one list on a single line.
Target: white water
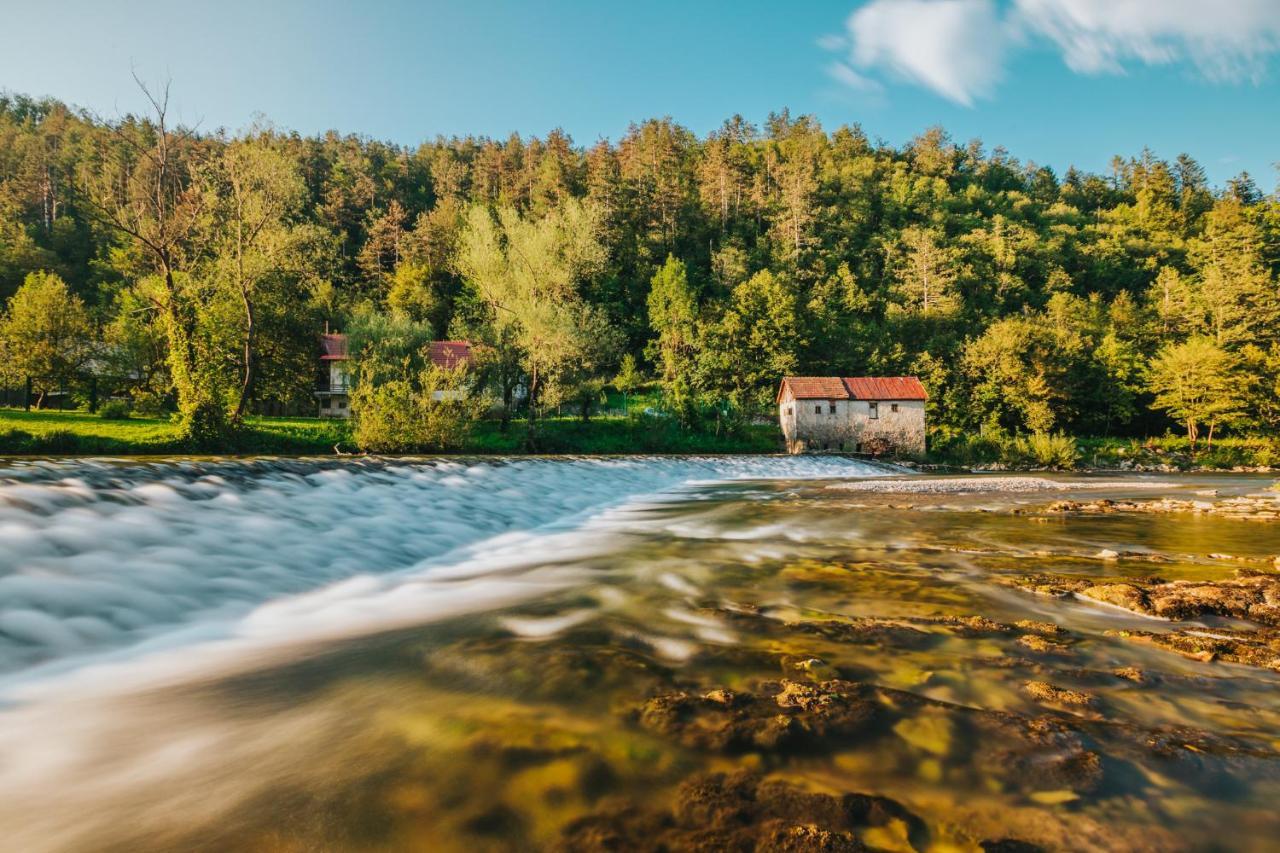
[(99, 559)]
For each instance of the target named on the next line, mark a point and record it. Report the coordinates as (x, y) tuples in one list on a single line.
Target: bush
[(58, 441), (114, 410), (403, 415), (16, 441), (1046, 450), (149, 405)]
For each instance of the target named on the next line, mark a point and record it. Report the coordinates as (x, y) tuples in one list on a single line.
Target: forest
[(190, 271)]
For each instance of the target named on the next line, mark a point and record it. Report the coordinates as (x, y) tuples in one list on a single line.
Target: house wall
[(809, 425), (334, 402)]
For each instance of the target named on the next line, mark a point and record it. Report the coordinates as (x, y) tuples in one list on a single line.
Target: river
[(617, 653)]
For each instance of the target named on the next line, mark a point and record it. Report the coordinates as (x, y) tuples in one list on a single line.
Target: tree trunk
[(586, 409), (530, 439), (250, 361)]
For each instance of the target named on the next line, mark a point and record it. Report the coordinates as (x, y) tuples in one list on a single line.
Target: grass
[(81, 433), (1053, 451), (617, 434), (53, 433)]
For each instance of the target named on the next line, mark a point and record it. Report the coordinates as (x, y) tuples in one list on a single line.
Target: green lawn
[(82, 433)]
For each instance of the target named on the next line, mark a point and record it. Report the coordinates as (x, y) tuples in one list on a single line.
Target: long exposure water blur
[(739, 652)]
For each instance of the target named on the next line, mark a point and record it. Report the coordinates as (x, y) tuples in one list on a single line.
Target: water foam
[(97, 557)]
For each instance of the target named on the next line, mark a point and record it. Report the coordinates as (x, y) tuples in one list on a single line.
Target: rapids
[(619, 653)]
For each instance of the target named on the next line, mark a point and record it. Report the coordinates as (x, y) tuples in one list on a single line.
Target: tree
[(142, 188), (45, 334), (253, 192), (673, 315), (756, 341), (529, 275), (1195, 383), (924, 274), (628, 380)]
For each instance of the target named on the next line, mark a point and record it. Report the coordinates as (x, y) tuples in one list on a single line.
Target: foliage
[(1025, 300), (45, 335), (400, 401), (1047, 450), (114, 410), (1196, 383)]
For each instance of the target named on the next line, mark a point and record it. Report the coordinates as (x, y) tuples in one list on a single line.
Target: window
[(831, 407), (893, 407), (873, 410), (788, 410), (817, 410)]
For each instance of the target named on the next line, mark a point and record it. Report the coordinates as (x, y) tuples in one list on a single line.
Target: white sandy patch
[(965, 485)]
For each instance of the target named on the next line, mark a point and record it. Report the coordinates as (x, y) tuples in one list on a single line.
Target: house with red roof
[(333, 388), (866, 414)]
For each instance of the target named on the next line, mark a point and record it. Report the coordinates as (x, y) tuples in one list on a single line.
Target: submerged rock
[(1261, 507), (1251, 596), (743, 812), (1259, 647), (1043, 691), (783, 715)]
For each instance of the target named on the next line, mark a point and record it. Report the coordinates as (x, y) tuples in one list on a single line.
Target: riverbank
[(52, 433), (1166, 454)]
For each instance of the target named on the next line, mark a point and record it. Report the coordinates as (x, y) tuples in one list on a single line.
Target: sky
[(1057, 82)]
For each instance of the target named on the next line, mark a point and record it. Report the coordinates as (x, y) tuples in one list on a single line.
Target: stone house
[(864, 414), (333, 386)]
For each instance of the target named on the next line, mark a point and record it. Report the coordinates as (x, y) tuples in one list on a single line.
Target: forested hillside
[(202, 265)]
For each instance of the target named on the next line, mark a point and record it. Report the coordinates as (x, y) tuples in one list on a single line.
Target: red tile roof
[(333, 348), (853, 388), (815, 387), (450, 354), (443, 353), (885, 388)]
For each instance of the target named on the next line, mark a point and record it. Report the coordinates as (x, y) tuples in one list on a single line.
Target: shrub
[(403, 415), (15, 441), (149, 405), (58, 441), (114, 410), (1047, 450)]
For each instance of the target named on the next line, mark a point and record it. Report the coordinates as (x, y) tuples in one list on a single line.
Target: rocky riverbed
[(802, 663)]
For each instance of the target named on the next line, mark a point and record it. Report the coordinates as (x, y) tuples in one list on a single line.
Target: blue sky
[(1055, 81)]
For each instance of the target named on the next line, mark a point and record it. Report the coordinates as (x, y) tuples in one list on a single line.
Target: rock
[(1253, 595), (1260, 647), (1130, 673), (1123, 595), (1009, 845), (790, 715), (1043, 691), (740, 811), (1108, 554), (1037, 643)]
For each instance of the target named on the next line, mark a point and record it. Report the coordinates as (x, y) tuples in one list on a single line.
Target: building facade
[(333, 386), (859, 414)]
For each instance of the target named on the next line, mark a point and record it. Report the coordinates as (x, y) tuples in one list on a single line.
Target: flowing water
[(512, 654)]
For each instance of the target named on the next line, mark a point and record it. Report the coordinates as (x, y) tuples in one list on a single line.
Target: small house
[(863, 414), (334, 385)]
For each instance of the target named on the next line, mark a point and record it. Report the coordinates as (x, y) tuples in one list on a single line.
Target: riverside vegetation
[(191, 272)]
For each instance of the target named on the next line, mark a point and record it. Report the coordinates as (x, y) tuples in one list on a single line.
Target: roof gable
[(446, 354), (853, 388)]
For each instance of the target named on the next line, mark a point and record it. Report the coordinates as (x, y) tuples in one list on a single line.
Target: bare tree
[(142, 188)]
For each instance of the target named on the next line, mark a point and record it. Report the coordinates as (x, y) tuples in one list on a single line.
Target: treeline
[(204, 264)]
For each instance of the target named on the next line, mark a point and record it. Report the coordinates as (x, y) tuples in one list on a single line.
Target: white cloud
[(950, 46), (841, 72), (957, 48), (1226, 40)]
